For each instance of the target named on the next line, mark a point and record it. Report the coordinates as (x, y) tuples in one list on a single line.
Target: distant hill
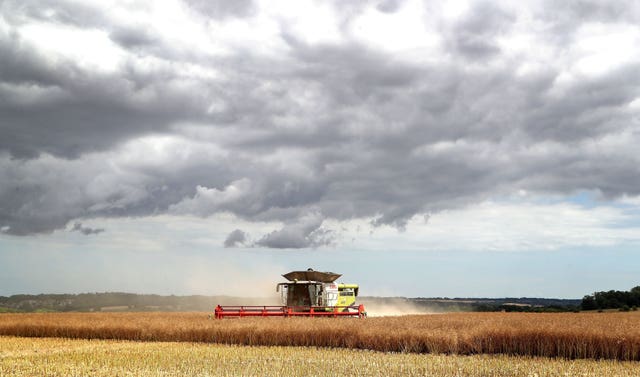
[(458, 304), (118, 301)]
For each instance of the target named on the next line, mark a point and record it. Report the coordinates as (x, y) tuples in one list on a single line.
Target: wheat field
[(613, 336), (74, 357)]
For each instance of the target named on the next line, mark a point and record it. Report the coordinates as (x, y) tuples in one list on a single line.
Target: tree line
[(623, 300), (116, 301)]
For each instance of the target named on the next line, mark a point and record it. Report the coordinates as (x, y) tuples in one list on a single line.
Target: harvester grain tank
[(306, 293)]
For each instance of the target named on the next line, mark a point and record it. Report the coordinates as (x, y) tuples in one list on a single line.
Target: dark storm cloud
[(318, 130)]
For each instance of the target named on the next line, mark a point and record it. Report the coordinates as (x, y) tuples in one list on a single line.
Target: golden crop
[(566, 335), (72, 357)]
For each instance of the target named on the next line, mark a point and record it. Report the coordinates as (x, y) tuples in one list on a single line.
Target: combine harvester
[(307, 294)]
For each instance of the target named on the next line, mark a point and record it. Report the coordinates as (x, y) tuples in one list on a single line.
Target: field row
[(67, 357), (566, 335)]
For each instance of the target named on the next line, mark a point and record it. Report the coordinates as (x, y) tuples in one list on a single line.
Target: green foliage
[(537, 309), (612, 300)]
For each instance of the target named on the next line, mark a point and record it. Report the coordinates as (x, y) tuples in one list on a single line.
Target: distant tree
[(611, 299), (635, 296), (589, 303)]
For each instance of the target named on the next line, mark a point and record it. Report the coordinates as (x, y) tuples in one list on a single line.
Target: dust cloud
[(237, 284), (393, 307)]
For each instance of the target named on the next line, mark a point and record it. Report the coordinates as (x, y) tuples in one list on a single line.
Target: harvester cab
[(314, 288), (307, 293)]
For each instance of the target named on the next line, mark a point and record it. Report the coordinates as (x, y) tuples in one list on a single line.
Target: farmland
[(614, 336), (65, 357)]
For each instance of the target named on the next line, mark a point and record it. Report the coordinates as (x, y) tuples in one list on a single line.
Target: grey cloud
[(220, 9), (78, 227), (84, 110), (587, 109), (132, 37), (389, 6), (474, 36), (44, 194), (236, 238), (64, 12), (569, 15), (341, 129), (272, 197), (305, 233)]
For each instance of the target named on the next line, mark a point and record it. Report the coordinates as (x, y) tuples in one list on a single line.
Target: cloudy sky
[(459, 148)]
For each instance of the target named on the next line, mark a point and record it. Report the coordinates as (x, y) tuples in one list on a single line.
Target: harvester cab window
[(298, 295), (346, 292)]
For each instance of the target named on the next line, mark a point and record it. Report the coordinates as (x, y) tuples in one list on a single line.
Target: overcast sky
[(459, 148)]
